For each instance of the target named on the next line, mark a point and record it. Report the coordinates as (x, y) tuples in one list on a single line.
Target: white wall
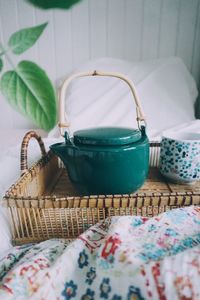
[(130, 29)]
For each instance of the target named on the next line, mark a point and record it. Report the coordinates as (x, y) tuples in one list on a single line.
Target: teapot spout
[(66, 154)]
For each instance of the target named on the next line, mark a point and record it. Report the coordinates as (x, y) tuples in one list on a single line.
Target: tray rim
[(49, 156)]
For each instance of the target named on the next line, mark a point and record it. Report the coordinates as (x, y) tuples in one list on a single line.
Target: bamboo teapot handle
[(62, 118)]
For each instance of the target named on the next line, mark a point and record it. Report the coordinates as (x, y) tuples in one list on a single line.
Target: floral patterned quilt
[(128, 257)]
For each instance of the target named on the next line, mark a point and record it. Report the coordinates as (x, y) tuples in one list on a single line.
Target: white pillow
[(165, 88)]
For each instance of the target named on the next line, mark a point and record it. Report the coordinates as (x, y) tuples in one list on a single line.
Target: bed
[(127, 257), (122, 257)]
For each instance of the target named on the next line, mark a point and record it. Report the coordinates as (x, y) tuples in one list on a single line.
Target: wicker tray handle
[(24, 149), (62, 121)]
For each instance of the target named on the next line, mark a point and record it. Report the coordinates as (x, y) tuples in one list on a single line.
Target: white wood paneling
[(133, 29), (80, 33), (98, 28), (168, 27), (129, 29), (62, 43), (196, 49), (116, 29), (151, 26), (5, 112), (186, 30)]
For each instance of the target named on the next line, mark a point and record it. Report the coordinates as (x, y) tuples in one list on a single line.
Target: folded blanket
[(130, 257)]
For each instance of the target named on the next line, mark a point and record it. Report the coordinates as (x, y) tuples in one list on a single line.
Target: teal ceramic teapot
[(104, 160)]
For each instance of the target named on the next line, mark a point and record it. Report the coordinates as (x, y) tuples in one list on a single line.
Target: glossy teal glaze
[(106, 169)]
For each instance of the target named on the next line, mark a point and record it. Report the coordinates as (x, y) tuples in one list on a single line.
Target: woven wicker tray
[(42, 204)]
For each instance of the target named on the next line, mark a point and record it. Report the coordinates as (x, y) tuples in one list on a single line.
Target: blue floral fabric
[(129, 257)]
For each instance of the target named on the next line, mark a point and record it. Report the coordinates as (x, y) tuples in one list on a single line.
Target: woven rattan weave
[(42, 204)]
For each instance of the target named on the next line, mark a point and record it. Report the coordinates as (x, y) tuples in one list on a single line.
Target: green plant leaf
[(46, 4), (23, 39), (1, 64), (29, 90)]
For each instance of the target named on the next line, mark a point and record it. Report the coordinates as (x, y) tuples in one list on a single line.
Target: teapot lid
[(107, 136)]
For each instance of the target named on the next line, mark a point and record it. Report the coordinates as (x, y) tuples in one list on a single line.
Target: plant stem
[(4, 52), (1, 49)]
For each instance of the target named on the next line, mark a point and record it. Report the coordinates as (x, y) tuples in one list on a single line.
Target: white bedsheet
[(10, 162)]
